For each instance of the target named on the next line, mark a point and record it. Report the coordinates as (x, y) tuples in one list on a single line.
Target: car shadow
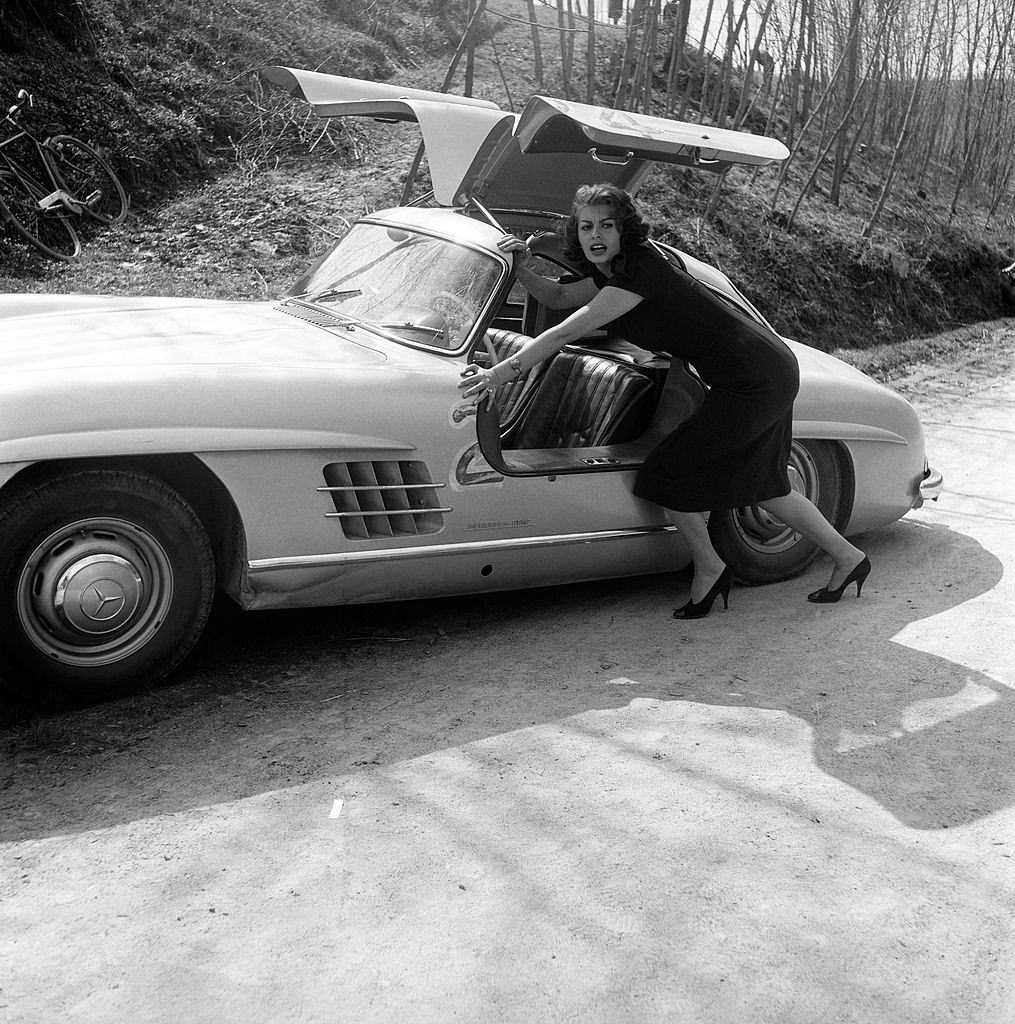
[(272, 701)]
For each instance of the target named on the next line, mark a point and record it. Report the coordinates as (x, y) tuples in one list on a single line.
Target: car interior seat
[(510, 394), (584, 400)]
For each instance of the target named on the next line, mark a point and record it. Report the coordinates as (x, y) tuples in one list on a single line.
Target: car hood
[(89, 376), (65, 334)]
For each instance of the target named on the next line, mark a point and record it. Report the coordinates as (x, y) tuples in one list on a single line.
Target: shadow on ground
[(274, 700)]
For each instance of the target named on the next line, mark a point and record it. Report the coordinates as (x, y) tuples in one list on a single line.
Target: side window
[(520, 312), (542, 266)]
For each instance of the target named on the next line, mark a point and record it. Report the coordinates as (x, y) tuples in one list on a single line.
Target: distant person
[(734, 450), (616, 10)]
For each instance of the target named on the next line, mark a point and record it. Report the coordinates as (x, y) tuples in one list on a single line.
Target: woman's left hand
[(511, 243), (477, 385)]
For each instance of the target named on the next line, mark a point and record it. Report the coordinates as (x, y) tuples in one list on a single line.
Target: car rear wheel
[(760, 548), (106, 581)]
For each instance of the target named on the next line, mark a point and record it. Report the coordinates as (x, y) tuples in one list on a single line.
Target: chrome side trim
[(465, 548), (384, 487), (385, 512)]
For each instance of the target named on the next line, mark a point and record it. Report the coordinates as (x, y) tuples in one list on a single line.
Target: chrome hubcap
[(766, 533), (97, 595), (94, 591)]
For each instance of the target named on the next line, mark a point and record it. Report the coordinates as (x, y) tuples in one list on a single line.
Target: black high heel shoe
[(860, 572), (697, 611)]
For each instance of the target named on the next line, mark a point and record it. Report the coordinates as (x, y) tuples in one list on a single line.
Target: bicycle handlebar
[(24, 96)]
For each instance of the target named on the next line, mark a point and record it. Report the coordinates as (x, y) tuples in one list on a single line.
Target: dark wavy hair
[(634, 229)]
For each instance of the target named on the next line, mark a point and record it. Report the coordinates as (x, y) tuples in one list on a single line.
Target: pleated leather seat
[(509, 395), (582, 401)]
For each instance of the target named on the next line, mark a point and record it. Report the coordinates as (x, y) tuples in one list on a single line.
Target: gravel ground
[(557, 804)]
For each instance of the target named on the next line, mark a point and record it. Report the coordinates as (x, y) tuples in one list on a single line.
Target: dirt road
[(559, 805)]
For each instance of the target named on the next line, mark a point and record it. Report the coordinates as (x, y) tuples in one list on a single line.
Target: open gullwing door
[(535, 160), (456, 129)]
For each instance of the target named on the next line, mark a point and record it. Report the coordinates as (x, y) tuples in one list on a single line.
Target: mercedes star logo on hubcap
[(103, 600)]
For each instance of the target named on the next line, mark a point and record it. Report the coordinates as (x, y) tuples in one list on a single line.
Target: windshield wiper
[(328, 293), (408, 325)]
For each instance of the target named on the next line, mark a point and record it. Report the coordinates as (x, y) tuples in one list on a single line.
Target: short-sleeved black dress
[(733, 450)]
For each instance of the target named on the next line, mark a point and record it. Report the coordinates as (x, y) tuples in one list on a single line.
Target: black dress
[(734, 449)]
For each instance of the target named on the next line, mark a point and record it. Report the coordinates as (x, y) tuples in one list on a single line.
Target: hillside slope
[(234, 187)]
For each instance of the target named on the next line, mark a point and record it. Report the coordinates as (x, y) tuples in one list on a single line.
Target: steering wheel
[(457, 301)]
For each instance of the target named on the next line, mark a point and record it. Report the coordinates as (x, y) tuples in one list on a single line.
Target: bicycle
[(77, 181)]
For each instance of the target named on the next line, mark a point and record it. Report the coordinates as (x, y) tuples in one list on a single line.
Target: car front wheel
[(760, 548), (106, 581)]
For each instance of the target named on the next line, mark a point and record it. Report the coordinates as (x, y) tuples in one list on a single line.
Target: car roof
[(448, 223), (535, 159)]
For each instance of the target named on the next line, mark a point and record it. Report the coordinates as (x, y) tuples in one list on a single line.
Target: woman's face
[(599, 234)]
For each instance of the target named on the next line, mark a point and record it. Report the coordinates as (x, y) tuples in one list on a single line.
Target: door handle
[(621, 162)]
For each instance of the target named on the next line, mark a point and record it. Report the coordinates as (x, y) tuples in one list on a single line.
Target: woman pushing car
[(733, 451)]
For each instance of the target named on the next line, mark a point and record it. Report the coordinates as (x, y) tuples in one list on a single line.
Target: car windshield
[(415, 288)]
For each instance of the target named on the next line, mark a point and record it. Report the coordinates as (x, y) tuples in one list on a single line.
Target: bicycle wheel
[(79, 170), (50, 232)]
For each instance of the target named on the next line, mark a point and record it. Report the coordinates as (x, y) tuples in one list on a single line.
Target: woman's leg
[(708, 566), (798, 513)]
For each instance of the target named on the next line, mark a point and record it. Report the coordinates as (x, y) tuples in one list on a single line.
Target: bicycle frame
[(48, 195), (73, 179)]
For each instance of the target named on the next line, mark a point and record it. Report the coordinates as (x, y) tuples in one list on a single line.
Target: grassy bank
[(234, 187)]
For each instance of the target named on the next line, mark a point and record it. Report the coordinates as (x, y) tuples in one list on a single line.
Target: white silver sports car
[(314, 450)]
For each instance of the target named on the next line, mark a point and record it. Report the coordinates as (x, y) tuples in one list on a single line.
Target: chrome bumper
[(931, 486)]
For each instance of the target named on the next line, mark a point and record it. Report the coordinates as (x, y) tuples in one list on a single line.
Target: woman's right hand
[(478, 384)]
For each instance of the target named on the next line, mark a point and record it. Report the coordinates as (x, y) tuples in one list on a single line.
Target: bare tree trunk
[(537, 50), (628, 61), (590, 56), (937, 113), (677, 43), (881, 100), (746, 97), (646, 59), (809, 34), (960, 119), (470, 49), (701, 67), (722, 90), (794, 149), (449, 76), (1002, 131), (867, 117), (846, 115), (794, 43), (782, 82), (998, 133), (848, 100), (713, 199), (565, 58), (1002, 49), (1003, 188), (900, 144), (733, 30)]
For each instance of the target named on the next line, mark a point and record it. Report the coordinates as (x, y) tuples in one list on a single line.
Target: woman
[(733, 451)]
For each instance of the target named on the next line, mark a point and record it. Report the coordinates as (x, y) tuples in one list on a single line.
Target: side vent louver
[(383, 499)]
